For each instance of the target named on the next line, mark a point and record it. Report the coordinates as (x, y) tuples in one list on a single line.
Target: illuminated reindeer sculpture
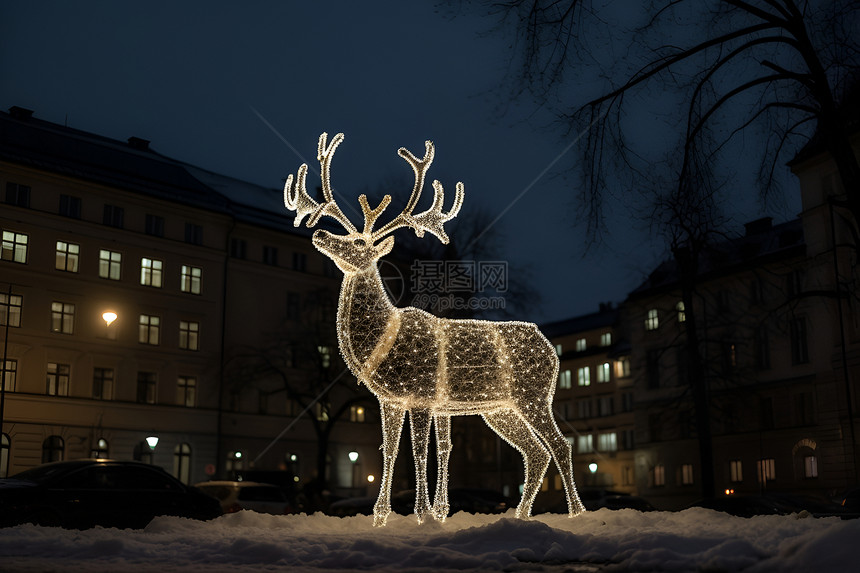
[(432, 367)]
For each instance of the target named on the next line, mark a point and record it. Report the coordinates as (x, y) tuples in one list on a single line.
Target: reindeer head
[(358, 250)]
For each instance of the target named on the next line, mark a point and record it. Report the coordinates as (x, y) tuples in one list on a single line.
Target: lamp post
[(353, 458)]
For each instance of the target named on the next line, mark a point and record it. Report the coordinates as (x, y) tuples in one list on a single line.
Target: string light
[(433, 368)]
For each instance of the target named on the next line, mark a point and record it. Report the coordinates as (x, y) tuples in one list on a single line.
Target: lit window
[(147, 385), (736, 471), (653, 320), (186, 391), (766, 469), (103, 383), (682, 315), (67, 256), (583, 376), (148, 329), (659, 475), (150, 272), (622, 367), (558, 349), (57, 380), (10, 376), (110, 265), (189, 335), (356, 414), (62, 317), (606, 339), (564, 380), (191, 277), (584, 444), (14, 247), (687, 474), (325, 355), (581, 345), (607, 442), (810, 467), (10, 309), (603, 372)]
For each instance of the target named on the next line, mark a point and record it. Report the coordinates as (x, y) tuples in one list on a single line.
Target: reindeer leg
[(419, 424), (392, 424), (443, 452), (514, 429), (543, 422)]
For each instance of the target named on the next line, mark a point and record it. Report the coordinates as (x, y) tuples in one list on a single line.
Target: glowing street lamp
[(109, 316), (592, 467), (353, 456), (152, 441)]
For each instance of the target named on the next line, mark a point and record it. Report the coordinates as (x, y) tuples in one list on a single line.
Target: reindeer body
[(431, 367)]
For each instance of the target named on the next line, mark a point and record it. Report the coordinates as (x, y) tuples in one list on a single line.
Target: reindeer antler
[(297, 198), (431, 220)]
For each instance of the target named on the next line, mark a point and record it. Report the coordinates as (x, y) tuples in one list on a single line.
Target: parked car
[(238, 495), (742, 505), (80, 494), (594, 499)]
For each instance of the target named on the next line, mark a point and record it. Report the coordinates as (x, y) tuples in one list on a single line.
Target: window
[(110, 265), (147, 384), (810, 467), (182, 463), (293, 305), (238, 248), (10, 309), (70, 206), (191, 277), (603, 372), (652, 322), (659, 475), (606, 339), (766, 470), (736, 471), (356, 414), (148, 329), (766, 412), (622, 367), (14, 247), (113, 216), (627, 402), (679, 308), (270, 255), (803, 411), (103, 383), (189, 335), (794, 283), (799, 348), (558, 349), (627, 476), (150, 272), (607, 442), (154, 225), (322, 409), (5, 444), (583, 376), (193, 234), (687, 474), (655, 427), (57, 380), (100, 450), (17, 194), (605, 406), (583, 408), (52, 449), (761, 345), (186, 391), (62, 317), (564, 379), (300, 262), (67, 256), (581, 345), (628, 439), (142, 453), (652, 364), (325, 355), (584, 444), (10, 375)]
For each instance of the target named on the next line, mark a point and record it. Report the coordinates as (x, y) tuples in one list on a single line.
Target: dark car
[(80, 494), (743, 505)]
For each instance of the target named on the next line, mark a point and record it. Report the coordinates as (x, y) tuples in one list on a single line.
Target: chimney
[(20, 112), (758, 226), (138, 143)]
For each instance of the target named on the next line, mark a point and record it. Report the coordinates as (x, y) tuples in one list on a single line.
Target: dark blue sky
[(192, 77)]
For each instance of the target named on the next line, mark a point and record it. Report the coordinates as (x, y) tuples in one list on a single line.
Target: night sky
[(211, 83)]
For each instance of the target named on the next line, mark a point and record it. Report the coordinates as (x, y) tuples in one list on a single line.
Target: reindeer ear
[(385, 246)]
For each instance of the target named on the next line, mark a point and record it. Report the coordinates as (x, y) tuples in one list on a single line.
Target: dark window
[(238, 248), (799, 348), (300, 262), (154, 225), (293, 305), (17, 194), (655, 427), (653, 369), (146, 387), (114, 216), (762, 348), (102, 383), (193, 234), (803, 409), (52, 449), (270, 255), (70, 206), (766, 410)]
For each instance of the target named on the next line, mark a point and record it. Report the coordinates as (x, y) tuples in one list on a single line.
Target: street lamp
[(353, 457), (109, 316), (152, 441), (592, 467)]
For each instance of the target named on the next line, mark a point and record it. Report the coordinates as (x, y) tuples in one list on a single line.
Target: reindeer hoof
[(380, 517)]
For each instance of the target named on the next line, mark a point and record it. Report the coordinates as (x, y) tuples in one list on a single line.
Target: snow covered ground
[(603, 540)]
